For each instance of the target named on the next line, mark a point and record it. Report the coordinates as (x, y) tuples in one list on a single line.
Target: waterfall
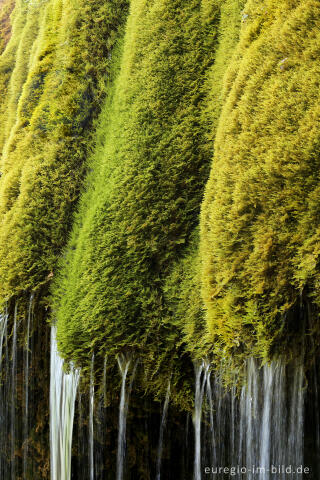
[(91, 408), (272, 418), (13, 394), (80, 433), (211, 410), (3, 331), (242, 425), (162, 427), (316, 405), (100, 436), (187, 431), (197, 421), (279, 416), (104, 381), (265, 442), (257, 426), (124, 365), (27, 357), (220, 405), (201, 372), (233, 424), (100, 451), (296, 419), (63, 390), (4, 403), (252, 429)]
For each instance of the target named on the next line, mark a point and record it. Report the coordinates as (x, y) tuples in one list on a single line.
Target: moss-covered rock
[(6, 7), (260, 216), (53, 73), (143, 197)]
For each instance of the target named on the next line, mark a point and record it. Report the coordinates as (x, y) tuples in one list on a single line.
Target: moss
[(225, 83), (143, 196), (259, 222), (183, 284), (6, 8), (53, 71)]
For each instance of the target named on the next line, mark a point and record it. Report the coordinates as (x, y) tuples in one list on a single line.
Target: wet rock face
[(265, 420), (24, 388)]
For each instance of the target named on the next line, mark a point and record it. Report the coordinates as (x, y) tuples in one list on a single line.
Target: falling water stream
[(91, 428), (13, 394), (3, 331), (162, 428), (27, 357), (212, 437), (201, 372), (63, 390), (273, 417), (124, 367), (124, 364), (265, 441), (258, 429), (4, 472)]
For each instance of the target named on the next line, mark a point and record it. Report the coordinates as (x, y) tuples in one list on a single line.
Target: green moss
[(53, 72), (191, 83), (183, 285), (259, 223), (143, 197), (6, 8)]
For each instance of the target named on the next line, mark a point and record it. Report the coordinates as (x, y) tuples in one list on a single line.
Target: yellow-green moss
[(143, 199), (260, 216), (6, 8), (53, 73)]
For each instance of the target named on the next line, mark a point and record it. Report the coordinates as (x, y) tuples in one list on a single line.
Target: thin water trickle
[(81, 448), (4, 390), (316, 405), (91, 412), (265, 436), (162, 428), (211, 412), (197, 421), (233, 423), (27, 357), (13, 394), (101, 453), (3, 330), (201, 371), (252, 429), (104, 380), (124, 364), (296, 419), (242, 426)]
